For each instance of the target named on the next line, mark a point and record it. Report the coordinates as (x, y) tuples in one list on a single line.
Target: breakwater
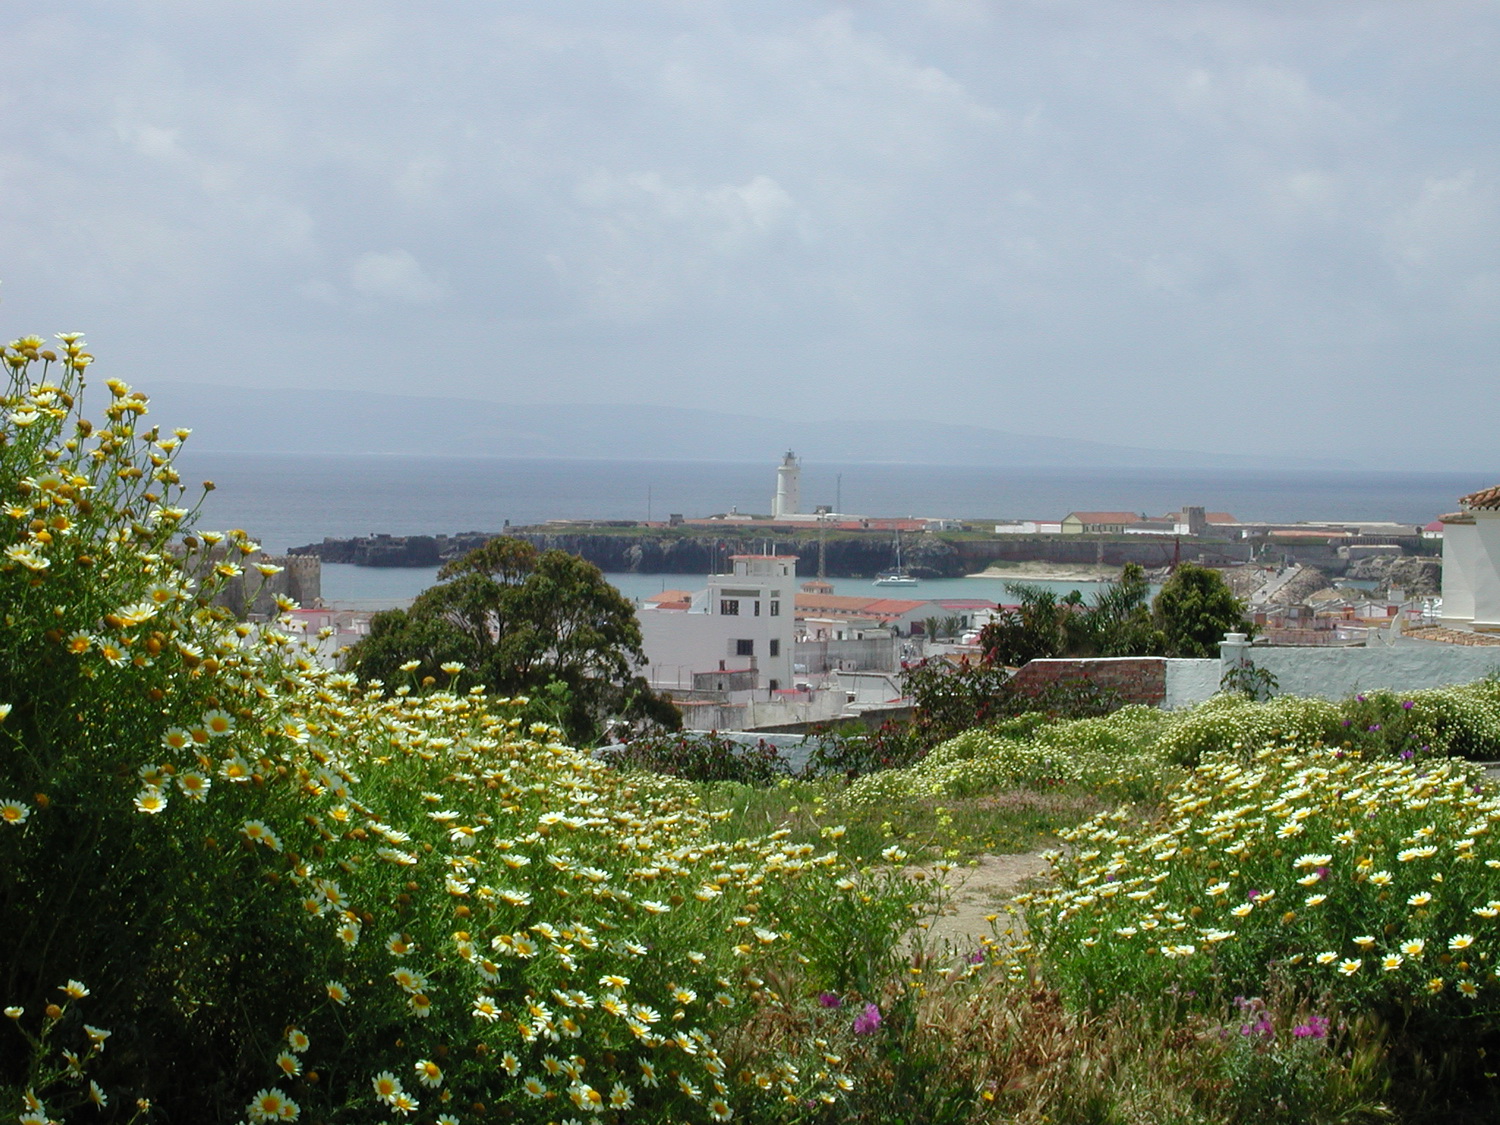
[(646, 551)]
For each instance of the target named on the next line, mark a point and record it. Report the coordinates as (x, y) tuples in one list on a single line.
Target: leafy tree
[(952, 697), (1195, 609), (521, 622), (1032, 630), (1119, 623)]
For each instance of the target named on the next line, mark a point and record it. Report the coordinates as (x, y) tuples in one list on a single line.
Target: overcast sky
[(1252, 225)]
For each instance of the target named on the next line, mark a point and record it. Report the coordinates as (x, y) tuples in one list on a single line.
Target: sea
[(286, 501)]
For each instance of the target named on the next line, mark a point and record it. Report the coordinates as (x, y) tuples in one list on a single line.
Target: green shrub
[(700, 756), (1231, 722)]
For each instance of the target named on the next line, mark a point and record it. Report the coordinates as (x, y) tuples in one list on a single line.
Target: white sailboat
[(899, 576)]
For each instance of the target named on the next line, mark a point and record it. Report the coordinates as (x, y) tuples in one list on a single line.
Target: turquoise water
[(363, 587)]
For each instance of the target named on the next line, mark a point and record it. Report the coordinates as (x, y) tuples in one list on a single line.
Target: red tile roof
[(1487, 499), (817, 604)]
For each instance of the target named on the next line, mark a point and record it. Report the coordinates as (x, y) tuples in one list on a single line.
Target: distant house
[(1471, 562), (900, 615), (1154, 527), (1098, 523)]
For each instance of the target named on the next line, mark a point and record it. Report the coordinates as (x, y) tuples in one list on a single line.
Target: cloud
[(1062, 213), (393, 276)]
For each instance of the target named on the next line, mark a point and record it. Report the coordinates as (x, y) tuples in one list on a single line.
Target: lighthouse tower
[(788, 500)]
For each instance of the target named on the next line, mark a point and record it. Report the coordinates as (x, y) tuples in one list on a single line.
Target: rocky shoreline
[(649, 550)]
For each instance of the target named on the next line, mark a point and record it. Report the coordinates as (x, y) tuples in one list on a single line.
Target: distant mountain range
[(286, 420)]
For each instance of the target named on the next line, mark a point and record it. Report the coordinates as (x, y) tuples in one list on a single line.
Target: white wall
[(1190, 682), (1337, 673), (1460, 558), (1487, 569), (1471, 571)]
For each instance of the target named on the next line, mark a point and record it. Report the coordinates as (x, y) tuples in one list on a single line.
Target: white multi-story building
[(743, 622)]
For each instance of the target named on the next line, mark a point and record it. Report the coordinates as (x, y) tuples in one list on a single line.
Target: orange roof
[(669, 596), (1487, 499), (809, 604), (895, 607), (1220, 517)]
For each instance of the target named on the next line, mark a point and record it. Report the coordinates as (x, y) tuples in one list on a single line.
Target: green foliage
[(1117, 622), (517, 621), (950, 698), (1251, 681), (1032, 630), (700, 756), (851, 753), (1194, 610)]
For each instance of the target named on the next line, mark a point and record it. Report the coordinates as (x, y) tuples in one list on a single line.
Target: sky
[(1257, 227)]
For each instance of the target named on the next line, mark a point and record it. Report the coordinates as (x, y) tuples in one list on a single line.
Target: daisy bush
[(1461, 721), (289, 894), (1371, 883)]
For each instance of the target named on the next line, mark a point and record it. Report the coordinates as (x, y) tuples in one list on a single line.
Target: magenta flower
[(1407, 705), (829, 1000), (1316, 1027), (868, 1021)]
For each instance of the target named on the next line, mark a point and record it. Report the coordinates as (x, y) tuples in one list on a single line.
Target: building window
[(757, 607), (744, 648), (775, 646), (775, 609), (775, 685), (729, 607)]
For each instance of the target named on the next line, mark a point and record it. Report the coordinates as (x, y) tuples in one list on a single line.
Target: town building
[(1471, 562), (1097, 523), (741, 623)]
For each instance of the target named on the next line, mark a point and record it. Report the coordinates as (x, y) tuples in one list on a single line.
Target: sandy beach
[(1051, 572)]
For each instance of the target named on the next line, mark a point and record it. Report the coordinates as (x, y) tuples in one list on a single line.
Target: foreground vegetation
[(238, 886)]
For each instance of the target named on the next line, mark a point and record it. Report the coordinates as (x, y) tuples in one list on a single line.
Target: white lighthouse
[(788, 500)]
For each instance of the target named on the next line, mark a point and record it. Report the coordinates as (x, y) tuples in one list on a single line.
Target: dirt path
[(979, 891)]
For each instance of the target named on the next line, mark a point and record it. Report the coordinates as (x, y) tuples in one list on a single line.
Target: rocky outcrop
[(862, 555), (395, 550), (926, 556), (1417, 575)]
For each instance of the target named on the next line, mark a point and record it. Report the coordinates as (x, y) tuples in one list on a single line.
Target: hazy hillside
[(286, 420)]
